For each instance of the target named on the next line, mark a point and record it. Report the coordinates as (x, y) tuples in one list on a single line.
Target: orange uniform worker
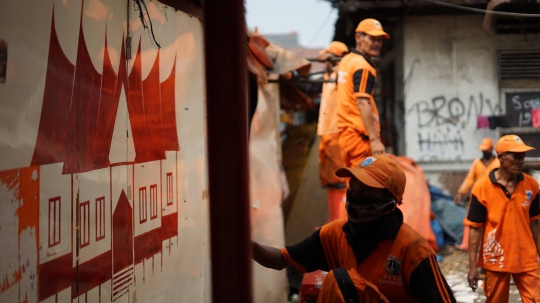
[(479, 168), (330, 158), (503, 217), (359, 129), (373, 240)]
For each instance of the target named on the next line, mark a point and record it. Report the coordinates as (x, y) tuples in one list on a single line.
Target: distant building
[(445, 72)]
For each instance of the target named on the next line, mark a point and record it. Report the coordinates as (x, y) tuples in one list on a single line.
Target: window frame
[(100, 218), (143, 205), (56, 222), (84, 224)]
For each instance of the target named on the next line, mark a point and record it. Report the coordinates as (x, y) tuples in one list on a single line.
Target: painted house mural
[(93, 216)]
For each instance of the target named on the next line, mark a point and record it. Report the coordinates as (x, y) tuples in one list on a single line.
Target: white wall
[(26, 27), (450, 70)]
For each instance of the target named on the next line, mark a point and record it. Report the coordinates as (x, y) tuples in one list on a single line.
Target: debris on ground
[(455, 267)]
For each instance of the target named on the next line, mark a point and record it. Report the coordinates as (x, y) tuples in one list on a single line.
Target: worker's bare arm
[(377, 148), (475, 235), (268, 256)]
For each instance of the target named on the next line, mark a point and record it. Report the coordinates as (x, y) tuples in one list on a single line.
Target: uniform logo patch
[(377, 24), (393, 265), (518, 139), (342, 77), (368, 161), (528, 195)]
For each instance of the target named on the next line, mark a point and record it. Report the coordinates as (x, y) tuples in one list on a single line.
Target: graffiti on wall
[(442, 124), (61, 244)]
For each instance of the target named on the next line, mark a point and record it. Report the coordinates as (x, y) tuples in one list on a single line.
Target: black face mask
[(363, 211), (487, 154)]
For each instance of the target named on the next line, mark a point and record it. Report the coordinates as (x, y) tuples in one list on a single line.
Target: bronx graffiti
[(443, 126), (452, 111)]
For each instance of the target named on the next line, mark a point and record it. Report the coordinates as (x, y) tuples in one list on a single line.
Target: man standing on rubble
[(372, 249), (359, 135), (504, 222), (330, 158)]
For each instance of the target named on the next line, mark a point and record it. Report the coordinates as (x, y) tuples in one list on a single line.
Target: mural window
[(54, 221), (153, 202), (100, 218), (169, 189), (85, 223), (143, 206)]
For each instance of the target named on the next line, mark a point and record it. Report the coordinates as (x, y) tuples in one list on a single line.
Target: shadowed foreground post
[(226, 93)]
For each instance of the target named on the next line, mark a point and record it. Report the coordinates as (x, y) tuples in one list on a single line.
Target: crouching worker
[(373, 242)]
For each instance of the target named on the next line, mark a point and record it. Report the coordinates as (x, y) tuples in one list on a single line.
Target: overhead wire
[(479, 10), (320, 27)]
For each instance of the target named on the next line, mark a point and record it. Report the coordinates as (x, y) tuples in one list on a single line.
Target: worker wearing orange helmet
[(359, 128), (330, 158), (504, 225)]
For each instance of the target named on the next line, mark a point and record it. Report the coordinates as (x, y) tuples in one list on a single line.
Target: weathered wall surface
[(103, 183), (450, 70), (450, 75)]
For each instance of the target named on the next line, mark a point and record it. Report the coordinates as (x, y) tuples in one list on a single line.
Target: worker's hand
[(324, 56), (457, 199), (377, 148), (473, 278)]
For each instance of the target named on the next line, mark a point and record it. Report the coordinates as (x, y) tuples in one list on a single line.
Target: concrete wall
[(40, 202), (450, 76)]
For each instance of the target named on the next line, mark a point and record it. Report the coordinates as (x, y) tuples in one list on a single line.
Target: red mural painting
[(76, 128), (77, 120)]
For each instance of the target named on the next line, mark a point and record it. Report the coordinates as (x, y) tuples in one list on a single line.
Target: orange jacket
[(507, 243), (356, 79), (402, 264), (478, 170), (347, 286)]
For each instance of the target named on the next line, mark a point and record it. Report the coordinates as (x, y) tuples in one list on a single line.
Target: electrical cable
[(320, 28), (143, 21), (478, 10)]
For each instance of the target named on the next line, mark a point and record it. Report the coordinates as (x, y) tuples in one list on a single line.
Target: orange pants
[(351, 283), (330, 160), (497, 286), (353, 148)]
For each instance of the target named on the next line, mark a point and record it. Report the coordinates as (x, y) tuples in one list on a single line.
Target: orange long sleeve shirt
[(477, 171)]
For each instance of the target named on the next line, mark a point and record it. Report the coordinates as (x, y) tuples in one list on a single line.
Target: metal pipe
[(227, 126)]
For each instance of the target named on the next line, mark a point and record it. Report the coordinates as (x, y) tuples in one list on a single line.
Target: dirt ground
[(455, 266)]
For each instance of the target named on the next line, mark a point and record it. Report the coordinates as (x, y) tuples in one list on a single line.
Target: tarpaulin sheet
[(266, 192), (416, 205)]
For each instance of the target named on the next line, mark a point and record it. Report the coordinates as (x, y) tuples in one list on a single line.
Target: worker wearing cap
[(358, 122), (330, 158), (479, 168), (373, 240), (503, 219)]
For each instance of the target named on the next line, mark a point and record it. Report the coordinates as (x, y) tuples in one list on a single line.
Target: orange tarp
[(416, 205)]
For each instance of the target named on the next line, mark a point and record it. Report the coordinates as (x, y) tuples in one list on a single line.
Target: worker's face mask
[(365, 210)]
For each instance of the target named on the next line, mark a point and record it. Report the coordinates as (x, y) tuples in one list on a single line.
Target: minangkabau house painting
[(114, 225)]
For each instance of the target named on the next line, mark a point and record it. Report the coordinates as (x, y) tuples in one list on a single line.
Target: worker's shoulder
[(410, 239), (407, 232), (334, 227), (530, 179), (354, 61)]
